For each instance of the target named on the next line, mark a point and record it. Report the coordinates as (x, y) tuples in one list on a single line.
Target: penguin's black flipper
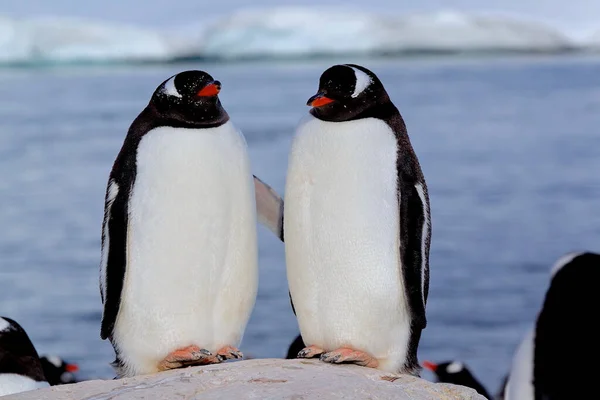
[(292, 303), (295, 347), (114, 233), (415, 236)]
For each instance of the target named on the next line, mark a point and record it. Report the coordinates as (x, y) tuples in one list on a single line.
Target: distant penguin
[(58, 371), (20, 367), (557, 358), (357, 227), (295, 347), (457, 373), (179, 269)]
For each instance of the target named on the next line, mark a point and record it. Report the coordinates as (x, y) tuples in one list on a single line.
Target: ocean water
[(509, 148)]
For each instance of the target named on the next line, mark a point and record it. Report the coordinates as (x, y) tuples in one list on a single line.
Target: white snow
[(275, 32)]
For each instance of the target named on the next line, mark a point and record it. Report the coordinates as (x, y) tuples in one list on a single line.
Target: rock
[(259, 379)]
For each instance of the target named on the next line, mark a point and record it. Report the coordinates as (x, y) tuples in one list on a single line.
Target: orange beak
[(430, 366), (212, 89), (72, 368), (319, 100)]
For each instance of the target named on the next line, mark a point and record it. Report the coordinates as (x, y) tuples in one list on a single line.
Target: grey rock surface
[(259, 379)]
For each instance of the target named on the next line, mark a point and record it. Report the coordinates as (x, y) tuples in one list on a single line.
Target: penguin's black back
[(567, 333), (17, 353)]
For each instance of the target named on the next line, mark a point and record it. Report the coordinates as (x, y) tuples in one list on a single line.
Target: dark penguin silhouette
[(457, 373), (557, 358), (20, 366)]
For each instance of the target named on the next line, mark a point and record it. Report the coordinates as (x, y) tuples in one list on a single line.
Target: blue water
[(509, 149)]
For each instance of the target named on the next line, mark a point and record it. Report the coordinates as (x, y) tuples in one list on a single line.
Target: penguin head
[(189, 99), (58, 371), (449, 371), (457, 373), (346, 92)]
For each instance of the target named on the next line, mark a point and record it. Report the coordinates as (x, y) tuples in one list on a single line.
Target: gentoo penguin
[(457, 373), (557, 357), (295, 347), (179, 268), (58, 371), (357, 227), (20, 367)]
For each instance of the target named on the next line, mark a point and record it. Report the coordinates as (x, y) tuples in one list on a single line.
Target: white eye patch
[(561, 262), (170, 89), (454, 367), (54, 360), (4, 325), (362, 82)]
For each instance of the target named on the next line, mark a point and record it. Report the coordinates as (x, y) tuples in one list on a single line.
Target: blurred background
[(501, 104)]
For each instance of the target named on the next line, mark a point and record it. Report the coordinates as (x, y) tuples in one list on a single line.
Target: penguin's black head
[(347, 92), (449, 371), (58, 371), (17, 353), (457, 373), (189, 99)]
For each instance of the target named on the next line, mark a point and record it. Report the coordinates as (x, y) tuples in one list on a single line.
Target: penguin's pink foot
[(186, 357), (310, 352), (229, 353), (350, 356)]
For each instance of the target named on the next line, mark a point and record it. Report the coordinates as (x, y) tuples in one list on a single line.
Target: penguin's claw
[(349, 356), (229, 353), (187, 357), (310, 352)]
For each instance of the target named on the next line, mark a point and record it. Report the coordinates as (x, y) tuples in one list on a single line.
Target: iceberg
[(288, 32), (593, 42), (301, 32), (59, 40)]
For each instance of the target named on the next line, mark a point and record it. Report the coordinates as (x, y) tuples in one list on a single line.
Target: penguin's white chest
[(14, 383), (342, 238), (520, 381), (192, 272)]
